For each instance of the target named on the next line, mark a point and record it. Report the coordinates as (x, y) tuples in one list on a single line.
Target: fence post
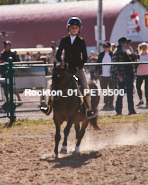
[(12, 117), (6, 90)]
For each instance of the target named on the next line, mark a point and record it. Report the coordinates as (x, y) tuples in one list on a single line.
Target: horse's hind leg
[(77, 129), (81, 134), (66, 133)]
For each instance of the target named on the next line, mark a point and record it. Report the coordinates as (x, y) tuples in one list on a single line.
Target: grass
[(123, 120), (22, 126), (103, 121)]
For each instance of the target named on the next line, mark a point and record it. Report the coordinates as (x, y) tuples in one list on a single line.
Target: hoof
[(54, 155), (63, 150), (76, 150)]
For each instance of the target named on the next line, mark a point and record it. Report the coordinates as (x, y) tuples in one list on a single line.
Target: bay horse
[(68, 108)]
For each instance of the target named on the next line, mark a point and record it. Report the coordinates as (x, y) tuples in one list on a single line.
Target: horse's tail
[(94, 102), (93, 121)]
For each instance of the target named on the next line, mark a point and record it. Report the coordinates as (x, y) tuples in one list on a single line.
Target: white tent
[(130, 23)]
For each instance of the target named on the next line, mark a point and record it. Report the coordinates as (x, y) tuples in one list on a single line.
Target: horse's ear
[(54, 64)]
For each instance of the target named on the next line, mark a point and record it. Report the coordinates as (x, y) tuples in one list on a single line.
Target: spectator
[(91, 54), (58, 43), (87, 68), (21, 60), (48, 58), (92, 68), (113, 47), (4, 56), (38, 56), (53, 53), (139, 49), (142, 73), (7, 52), (27, 57), (17, 57), (97, 55), (104, 71), (33, 58), (44, 59), (124, 74), (1, 86)]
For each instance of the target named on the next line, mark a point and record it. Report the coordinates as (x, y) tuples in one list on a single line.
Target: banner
[(146, 19), (133, 27)]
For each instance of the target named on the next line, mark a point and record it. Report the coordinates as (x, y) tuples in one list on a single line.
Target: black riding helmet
[(74, 21)]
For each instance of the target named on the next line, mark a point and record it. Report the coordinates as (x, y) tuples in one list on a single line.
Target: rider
[(74, 46)]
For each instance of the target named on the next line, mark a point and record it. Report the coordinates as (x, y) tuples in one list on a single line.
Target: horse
[(69, 108)]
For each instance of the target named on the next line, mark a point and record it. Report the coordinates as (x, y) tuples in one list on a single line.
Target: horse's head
[(60, 66), (60, 76)]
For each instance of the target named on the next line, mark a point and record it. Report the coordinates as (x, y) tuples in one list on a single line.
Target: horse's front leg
[(66, 133), (57, 138), (80, 136)]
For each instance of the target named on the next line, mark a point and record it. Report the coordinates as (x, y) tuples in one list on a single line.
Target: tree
[(29, 1), (144, 2), (8, 2)]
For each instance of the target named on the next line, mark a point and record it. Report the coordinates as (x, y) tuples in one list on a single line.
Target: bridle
[(63, 89)]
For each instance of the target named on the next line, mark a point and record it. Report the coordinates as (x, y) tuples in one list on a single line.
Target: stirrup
[(90, 114)]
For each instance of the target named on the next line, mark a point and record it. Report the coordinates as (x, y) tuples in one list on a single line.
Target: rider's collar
[(72, 38)]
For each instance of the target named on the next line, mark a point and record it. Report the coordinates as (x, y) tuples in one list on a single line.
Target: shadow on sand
[(74, 161)]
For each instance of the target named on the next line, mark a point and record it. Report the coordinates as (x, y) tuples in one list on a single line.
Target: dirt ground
[(116, 154)]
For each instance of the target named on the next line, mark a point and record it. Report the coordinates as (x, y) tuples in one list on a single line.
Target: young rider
[(74, 46)]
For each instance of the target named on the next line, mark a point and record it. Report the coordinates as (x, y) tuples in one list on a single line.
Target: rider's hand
[(73, 70)]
